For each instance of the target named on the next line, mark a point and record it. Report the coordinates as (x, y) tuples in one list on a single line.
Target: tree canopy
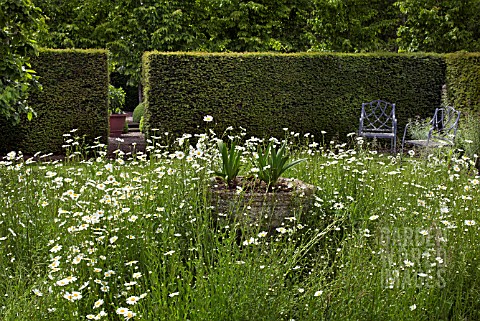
[(20, 21), (439, 26)]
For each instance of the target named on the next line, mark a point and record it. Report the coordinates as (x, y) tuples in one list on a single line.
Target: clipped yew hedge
[(463, 81), (265, 92), (74, 96)]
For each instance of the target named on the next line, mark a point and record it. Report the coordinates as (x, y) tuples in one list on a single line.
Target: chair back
[(378, 116), (445, 124)]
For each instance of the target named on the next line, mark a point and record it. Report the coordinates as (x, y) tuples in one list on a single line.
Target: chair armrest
[(405, 134)]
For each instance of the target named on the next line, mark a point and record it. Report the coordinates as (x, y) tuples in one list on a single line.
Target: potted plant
[(116, 99), (265, 198)]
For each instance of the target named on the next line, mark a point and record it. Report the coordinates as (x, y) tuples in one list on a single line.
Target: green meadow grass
[(101, 239)]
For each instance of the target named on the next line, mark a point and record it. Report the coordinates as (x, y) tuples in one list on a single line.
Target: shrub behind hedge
[(74, 96), (138, 112)]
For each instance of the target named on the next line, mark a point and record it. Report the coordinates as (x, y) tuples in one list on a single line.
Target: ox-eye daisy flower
[(56, 248), (318, 293), (408, 263), (76, 295), (109, 273), (98, 303), (338, 206), (137, 275), (132, 300), (68, 296), (121, 311), (37, 292), (281, 230), (262, 234), (129, 314)]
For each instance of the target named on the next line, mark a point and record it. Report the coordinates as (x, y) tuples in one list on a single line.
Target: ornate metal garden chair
[(378, 120), (442, 129)]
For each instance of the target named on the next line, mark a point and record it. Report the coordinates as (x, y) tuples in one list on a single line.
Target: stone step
[(132, 141)]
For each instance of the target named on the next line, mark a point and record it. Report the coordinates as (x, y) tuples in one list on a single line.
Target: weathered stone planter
[(256, 206)]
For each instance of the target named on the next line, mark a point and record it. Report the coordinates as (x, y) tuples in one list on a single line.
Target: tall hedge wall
[(74, 95), (463, 80), (307, 92)]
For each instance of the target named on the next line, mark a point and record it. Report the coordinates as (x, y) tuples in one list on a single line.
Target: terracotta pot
[(117, 122), (266, 208)]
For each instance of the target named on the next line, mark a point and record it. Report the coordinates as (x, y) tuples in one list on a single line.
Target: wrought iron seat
[(442, 129), (377, 120)]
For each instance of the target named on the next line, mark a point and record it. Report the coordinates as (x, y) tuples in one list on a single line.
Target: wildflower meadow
[(136, 237)]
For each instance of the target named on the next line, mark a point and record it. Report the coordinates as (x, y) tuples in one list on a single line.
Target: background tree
[(354, 25), (20, 22), (74, 23), (262, 25), (439, 26)]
